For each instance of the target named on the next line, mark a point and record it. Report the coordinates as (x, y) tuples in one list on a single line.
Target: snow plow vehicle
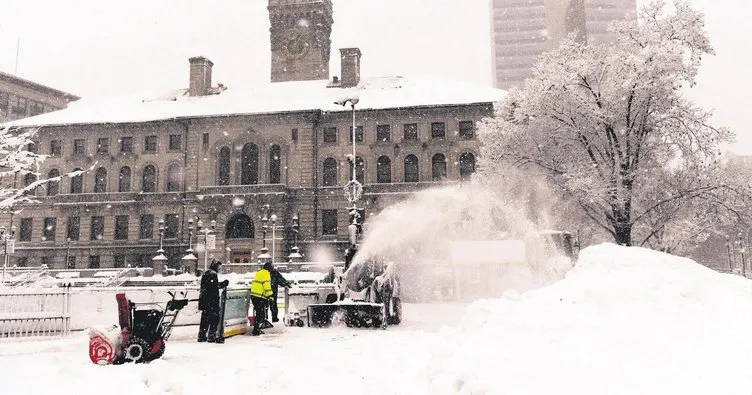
[(142, 335)]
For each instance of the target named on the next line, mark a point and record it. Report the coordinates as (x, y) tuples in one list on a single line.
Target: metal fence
[(25, 313)]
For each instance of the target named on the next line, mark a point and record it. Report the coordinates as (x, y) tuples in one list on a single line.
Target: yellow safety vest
[(261, 287)]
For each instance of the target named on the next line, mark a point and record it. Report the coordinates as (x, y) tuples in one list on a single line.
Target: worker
[(208, 303), (277, 280), (261, 295)]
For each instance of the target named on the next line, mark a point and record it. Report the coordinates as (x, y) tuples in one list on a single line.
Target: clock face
[(295, 47)]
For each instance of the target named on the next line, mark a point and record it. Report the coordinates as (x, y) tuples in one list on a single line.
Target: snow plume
[(420, 230)]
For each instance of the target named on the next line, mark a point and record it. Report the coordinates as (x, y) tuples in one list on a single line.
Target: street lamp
[(7, 238), (206, 231), (353, 190), (160, 259), (189, 260), (295, 254)]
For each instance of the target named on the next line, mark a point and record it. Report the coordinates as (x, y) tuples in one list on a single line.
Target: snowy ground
[(623, 321)]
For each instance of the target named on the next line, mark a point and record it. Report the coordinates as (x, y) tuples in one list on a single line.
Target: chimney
[(200, 76), (350, 66)]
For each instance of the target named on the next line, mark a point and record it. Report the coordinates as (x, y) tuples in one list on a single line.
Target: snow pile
[(624, 320)]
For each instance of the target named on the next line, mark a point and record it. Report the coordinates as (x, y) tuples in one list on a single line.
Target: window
[(438, 167), (56, 147), (48, 233), (53, 186), (467, 130), (103, 145), (94, 262), (411, 131), (223, 164), (35, 108), (438, 130), (79, 147), (176, 142), (71, 264), (150, 144), (411, 169), (467, 165), (360, 170), (4, 100), (74, 228), (275, 165), (20, 107), (29, 179), (330, 135), (146, 227), (25, 231), (119, 261), (205, 141), (249, 164), (126, 144), (23, 261), (97, 227), (100, 180), (172, 225), (358, 134), (383, 133), (174, 178), (149, 179), (77, 183), (294, 135), (121, 227), (329, 222), (329, 173), (384, 170), (124, 179)]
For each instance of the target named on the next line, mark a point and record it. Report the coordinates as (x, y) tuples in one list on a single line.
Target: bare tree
[(611, 129)]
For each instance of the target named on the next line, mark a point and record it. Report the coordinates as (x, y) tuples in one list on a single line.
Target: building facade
[(521, 30), (151, 169), (20, 98)]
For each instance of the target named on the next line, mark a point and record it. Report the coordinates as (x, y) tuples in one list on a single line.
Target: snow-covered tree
[(16, 162), (609, 126)]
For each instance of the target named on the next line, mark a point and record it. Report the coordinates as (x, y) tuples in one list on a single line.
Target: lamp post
[(295, 254), (160, 259), (67, 254), (353, 191), (7, 238), (189, 260), (741, 254), (206, 232), (264, 255)]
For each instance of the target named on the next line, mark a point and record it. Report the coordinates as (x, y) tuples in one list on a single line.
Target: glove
[(224, 284)]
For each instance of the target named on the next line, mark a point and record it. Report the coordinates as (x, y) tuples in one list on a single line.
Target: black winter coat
[(208, 297), (277, 280)]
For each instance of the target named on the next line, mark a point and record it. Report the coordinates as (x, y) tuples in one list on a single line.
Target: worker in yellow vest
[(261, 295)]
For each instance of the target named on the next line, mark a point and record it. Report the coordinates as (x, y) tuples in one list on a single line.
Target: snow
[(374, 93), (624, 320)]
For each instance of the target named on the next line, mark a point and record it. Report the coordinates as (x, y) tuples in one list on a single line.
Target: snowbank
[(624, 320)]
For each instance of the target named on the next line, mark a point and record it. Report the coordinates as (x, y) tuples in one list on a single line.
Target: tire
[(137, 350), (159, 352)]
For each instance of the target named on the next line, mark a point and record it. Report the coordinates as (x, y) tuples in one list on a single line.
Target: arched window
[(360, 168), (29, 179), (329, 172), (53, 186), (438, 167), (384, 170), (275, 165), (411, 169), (249, 165), (223, 166), (100, 180), (124, 181), (77, 183), (174, 182), (149, 179), (467, 165)]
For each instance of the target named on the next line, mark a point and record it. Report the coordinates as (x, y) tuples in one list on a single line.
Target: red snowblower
[(142, 335)]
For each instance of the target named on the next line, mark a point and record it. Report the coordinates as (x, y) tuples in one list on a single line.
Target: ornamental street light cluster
[(9, 246), (160, 259), (269, 222), (209, 238), (189, 260), (353, 191)]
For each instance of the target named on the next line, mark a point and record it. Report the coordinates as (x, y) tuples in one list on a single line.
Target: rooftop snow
[(374, 93)]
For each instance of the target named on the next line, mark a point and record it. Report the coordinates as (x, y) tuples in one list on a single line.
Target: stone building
[(21, 98), (235, 155)]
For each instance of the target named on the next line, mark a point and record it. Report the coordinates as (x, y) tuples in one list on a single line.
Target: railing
[(35, 313)]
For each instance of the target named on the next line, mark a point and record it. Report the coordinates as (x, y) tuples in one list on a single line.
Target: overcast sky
[(103, 48)]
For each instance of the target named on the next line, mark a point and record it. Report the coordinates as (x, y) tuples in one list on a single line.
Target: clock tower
[(300, 39)]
